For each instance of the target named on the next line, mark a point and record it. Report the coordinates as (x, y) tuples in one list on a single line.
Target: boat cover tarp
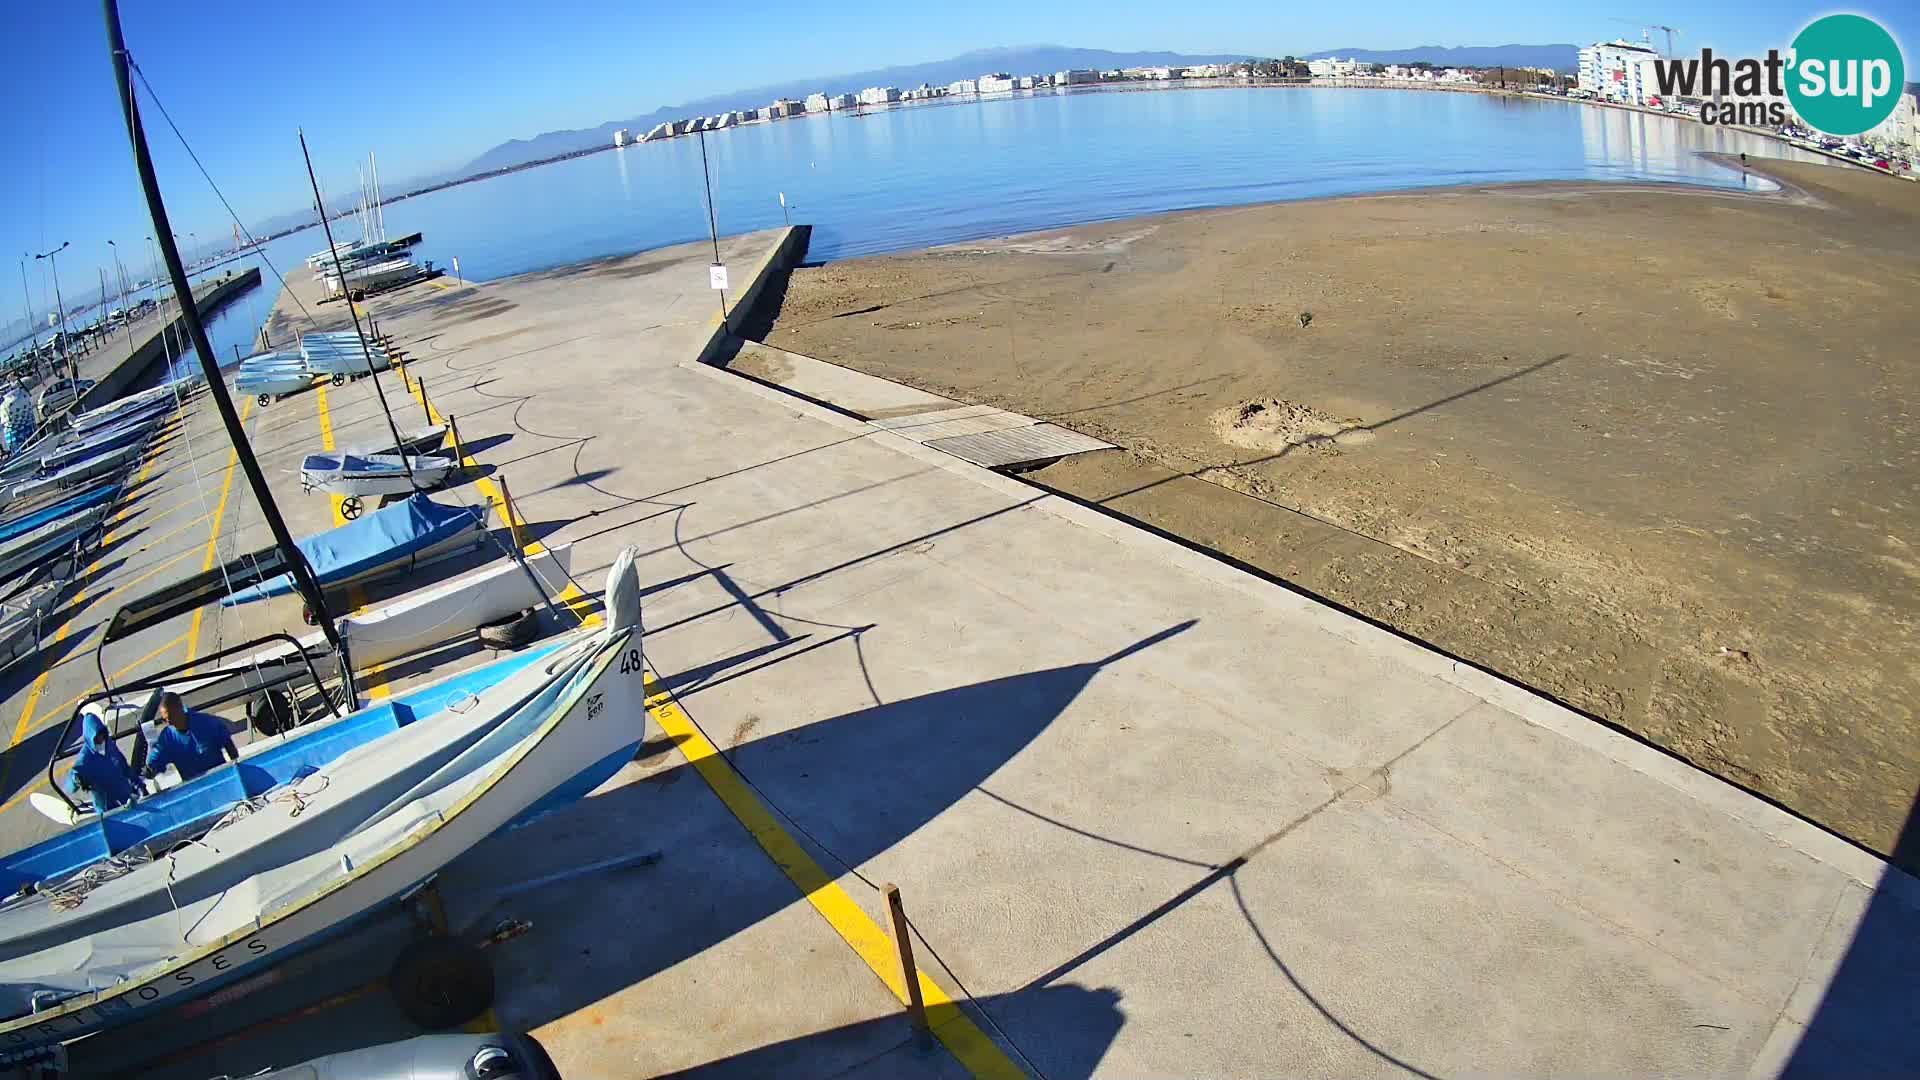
[(386, 536), (18, 526)]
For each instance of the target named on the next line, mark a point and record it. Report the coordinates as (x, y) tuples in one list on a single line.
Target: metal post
[(453, 429), (425, 409), (506, 511), (352, 309), (28, 297), (303, 578), (713, 222), (60, 305), (909, 974)]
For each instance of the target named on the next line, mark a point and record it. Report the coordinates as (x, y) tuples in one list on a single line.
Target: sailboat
[(347, 838), (365, 828)]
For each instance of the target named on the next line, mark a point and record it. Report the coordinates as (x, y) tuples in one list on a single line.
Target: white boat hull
[(601, 716)]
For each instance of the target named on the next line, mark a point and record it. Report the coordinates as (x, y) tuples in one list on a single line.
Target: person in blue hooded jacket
[(101, 770), (191, 742)]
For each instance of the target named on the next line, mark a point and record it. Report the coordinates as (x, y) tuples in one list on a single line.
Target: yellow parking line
[(326, 443), (213, 534), (40, 683), (484, 485), (979, 1054)]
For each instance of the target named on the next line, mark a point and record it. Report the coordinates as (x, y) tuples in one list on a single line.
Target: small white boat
[(371, 277), (20, 620), (364, 831), (270, 375), (79, 472), (30, 550), (359, 477)]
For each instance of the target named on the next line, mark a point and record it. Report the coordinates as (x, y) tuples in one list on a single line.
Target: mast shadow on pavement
[(856, 785)]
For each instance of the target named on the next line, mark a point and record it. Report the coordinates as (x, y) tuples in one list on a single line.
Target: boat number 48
[(630, 664)]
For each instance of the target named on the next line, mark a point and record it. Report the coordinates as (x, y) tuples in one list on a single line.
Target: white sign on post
[(717, 276)]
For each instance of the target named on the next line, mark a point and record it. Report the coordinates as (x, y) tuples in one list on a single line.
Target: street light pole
[(28, 297), (126, 317), (60, 306)]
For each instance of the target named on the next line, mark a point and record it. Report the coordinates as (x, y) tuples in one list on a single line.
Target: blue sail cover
[(23, 525), (387, 537)]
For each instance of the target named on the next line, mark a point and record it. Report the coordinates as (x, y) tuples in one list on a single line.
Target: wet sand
[(1651, 450)]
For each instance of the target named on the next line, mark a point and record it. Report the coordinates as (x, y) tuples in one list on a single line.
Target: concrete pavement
[(1150, 815), (1162, 817)]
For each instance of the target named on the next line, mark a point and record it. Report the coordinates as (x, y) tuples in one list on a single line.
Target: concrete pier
[(1150, 815), (135, 358)]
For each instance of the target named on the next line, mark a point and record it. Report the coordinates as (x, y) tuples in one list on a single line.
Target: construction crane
[(1670, 32), (1646, 32)]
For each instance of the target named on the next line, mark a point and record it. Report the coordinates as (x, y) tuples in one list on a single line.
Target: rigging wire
[(259, 248)]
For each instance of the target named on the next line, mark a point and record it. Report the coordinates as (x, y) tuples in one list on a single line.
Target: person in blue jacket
[(101, 770), (192, 742)]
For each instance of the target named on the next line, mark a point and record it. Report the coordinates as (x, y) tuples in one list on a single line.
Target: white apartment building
[(816, 103), (879, 95), (620, 137), (1209, 71), (782, 108), (1619, 70), (998, 83), (963, 86), (1030, 82), (1076, 77), (1333, 66), (1901, 128)]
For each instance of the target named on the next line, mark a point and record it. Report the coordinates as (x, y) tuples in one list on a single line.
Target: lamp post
[(126, 317), (60, 306), (28, 297)]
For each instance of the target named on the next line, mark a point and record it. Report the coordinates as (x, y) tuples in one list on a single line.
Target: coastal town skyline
[(75, 185)]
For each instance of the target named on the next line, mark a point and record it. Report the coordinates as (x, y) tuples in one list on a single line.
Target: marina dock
[(135, 358), (1148, 814)]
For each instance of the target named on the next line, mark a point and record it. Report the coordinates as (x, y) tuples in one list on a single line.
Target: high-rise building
[(1619, 71)]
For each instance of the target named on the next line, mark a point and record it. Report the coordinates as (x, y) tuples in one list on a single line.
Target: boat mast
[(303, 578), (346, 296)]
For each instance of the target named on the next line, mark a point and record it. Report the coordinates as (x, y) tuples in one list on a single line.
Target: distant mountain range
[(1017, 60), (1020, 60), (1558, 57)]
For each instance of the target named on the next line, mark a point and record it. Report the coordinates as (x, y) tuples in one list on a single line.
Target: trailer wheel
[(441, 983), (339, 379), (264, 400), (350, 507)]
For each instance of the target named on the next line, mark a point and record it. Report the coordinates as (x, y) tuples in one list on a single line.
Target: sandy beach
[(1650, 450)]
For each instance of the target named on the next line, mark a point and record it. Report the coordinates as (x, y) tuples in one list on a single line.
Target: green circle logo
[(1846, 74)]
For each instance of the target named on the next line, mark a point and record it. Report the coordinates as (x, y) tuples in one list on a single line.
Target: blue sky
[(452, 80)]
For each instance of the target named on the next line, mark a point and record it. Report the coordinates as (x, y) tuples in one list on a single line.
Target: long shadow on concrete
[(1081, 1024), (847, 788), (1868, 1020)]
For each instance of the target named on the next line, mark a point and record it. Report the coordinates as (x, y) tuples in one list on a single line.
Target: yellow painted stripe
[(39, 687), (962, 1037), (213, 534), (484, 485), (326, 443)]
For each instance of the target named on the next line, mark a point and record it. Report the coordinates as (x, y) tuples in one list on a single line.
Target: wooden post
[(424, 407), (506, 511), (903, 939)]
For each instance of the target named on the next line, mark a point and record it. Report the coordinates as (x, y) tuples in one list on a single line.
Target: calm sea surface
[(909, 177)]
